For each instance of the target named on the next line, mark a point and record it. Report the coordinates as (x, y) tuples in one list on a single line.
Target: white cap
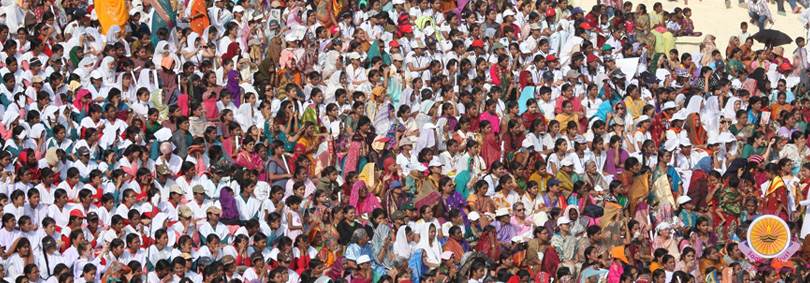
[(713, 140), (685, 142), (680, 115), (527, 143), (642, 118), (524, 47), (671, 145), (353, 55), (669, 105), (567, 162), (96, 74), (518, 239), (238, 9), (508, 12), (398, 2), (563, 220), (435, 162), (684, 199), (363, 259), (474, 216), (503, 211)]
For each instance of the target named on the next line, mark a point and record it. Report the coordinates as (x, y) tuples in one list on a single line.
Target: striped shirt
[(759, 7)]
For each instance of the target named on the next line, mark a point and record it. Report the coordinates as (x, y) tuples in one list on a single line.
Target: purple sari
[(610, 166)]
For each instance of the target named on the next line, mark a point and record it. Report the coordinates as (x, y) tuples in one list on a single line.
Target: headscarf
[(233, 86), (74, 56), (332, 85), (728, 110), (145, 79), (695, 104), (402, 248), (233, 50), (710, 115), (229, 209), (78, 101), (696, 133), (374, 51), (366, 205), (111, 38), (108, 75), (434, 252), (381, 233), (157, 57), (97, 43)]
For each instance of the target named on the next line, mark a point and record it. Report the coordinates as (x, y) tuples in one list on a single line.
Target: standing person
[(759, 12)]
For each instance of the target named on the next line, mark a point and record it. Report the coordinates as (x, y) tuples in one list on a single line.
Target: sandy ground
[(712, 17)]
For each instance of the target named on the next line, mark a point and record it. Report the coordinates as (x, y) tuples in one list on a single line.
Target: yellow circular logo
[(769, 236)]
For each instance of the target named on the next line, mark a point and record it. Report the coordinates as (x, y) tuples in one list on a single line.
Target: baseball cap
[(92, 216), (474, 216), (363, 259), (550, 12), (37, 79), (563, 220), (83, 151), (77, 213), (198, 189), (175, 189), (447, 255), (551, 58), (398, 215), (163, 169), (48, 242), (228, 259), (184, 211), (407, 206), (397, 57), (213, 209), (477, 43)]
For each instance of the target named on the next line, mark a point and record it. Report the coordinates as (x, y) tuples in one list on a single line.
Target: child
[(728, 201), (750, 212), (744, 34), (687, 214), (294, 224)]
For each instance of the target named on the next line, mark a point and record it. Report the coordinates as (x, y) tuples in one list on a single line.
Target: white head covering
[(107, 74), (144, 80), (728, 111), (710, 115), (111, 37), (402, 248), (98, 41), (694, 105), (332, 85), (162, 46), (192, 37), (434, 252)]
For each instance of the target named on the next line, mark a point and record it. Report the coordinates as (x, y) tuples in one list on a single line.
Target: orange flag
[(200, 17), (111, 13)]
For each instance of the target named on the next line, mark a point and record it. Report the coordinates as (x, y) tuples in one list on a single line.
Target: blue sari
[(164, 16), (416, 265)]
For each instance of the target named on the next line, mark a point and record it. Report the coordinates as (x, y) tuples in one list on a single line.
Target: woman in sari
[(327, 11), (541, 245), (451, 199), (643, 34), (383, 243), (248, 158), (428, 194), (165, 16), (362, 200), (775, 199), (488, 243), (694, 129), (664, 170)]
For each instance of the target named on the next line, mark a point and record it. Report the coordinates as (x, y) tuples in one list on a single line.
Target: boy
[(744, 34)]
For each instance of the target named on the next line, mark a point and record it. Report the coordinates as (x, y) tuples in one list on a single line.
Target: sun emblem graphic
[(769, 236)]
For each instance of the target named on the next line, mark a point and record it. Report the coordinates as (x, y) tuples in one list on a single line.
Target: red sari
[(774, 198), (491, 149)]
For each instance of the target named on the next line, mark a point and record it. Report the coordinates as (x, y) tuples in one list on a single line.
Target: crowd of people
[(432, 141)]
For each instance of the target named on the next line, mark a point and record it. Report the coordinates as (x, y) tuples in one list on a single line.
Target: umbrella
[(772, 37)]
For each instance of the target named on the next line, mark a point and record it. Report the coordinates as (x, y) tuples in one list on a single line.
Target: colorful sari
[(488, 244), (200, 23), (657, 192), (428, 194), (165, 15), (775, 198), (694, 129)]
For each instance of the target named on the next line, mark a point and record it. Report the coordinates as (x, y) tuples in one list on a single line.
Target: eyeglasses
[(521, 210), (620, 108)]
